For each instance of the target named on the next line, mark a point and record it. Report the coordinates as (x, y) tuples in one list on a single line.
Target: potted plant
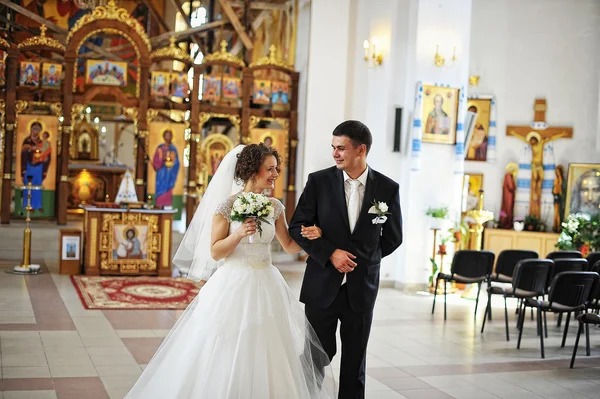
[(434, 270), (444, 238), (437, 216), (532, 223)]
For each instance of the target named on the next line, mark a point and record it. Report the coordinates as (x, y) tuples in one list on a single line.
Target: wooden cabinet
[(497, 240)]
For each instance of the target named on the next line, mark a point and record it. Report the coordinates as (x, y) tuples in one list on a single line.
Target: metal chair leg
[(506, 319), (545, 326), (562, 345), (477, 300), (587, 339), (520, 323), (559, 320), (437, 280), (579, 330), (487, 309), (539, 320)]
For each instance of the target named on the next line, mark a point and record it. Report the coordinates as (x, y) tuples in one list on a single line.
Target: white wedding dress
[(245, 336)]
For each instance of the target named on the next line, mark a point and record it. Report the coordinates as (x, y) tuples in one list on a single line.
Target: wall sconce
[(372, 57), (439, 60), (474, 80)]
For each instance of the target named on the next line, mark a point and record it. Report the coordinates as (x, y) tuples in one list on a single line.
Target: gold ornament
[(4, 43), (110, 12), (224, 56), (173, 51), (271, 60), (42, 40)]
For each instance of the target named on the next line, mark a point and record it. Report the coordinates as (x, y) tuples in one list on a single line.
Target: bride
[(244, 336)]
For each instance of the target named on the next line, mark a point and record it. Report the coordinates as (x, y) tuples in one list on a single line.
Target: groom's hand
[(342, 261)]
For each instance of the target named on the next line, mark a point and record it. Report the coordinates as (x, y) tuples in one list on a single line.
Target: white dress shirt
[(362, 179)]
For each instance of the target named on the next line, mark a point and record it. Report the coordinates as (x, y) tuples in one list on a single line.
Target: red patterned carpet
[(134, 292)]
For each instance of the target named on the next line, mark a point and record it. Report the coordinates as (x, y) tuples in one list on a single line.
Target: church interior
[(115, 116)]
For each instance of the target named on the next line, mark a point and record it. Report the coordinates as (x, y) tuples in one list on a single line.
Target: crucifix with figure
[(537, 135)]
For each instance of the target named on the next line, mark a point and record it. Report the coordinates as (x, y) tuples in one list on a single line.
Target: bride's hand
[(312, 232), (247, 228)]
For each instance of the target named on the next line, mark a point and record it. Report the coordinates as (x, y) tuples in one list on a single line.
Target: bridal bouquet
[(251, 205)]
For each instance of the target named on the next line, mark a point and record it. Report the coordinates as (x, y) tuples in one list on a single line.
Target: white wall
[(326, 85), (537, 48)]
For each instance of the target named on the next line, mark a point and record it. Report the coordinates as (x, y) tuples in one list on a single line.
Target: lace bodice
[(257, 254)]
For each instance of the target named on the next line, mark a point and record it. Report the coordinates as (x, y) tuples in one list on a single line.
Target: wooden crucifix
[(537, 135)]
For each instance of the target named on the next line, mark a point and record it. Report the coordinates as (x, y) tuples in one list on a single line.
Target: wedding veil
[(193, 255)]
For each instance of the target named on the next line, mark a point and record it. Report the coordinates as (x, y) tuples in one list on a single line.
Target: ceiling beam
[(41, 20), (159, 40), (156, 14), (237, 25)]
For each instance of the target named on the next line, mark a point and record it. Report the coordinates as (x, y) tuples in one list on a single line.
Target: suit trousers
[(354, 331)]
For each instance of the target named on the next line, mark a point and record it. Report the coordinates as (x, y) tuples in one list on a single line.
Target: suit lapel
[(337, 182), (368, 199)]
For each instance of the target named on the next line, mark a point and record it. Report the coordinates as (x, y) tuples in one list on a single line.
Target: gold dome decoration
[(173, 51), (42, 40), (223, 55), (271, 60), (110, 12), (4, 43)]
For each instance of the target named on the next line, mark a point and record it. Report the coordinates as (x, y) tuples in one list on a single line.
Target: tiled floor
[(51, 347)]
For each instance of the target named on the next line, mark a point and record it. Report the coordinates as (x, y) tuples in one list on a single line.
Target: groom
[(342, 271)]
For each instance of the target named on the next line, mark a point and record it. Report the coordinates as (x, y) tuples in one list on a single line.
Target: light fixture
[(372, 57), (88, 110), (103, 129), (474, 80), (439, 60), (96, 120)]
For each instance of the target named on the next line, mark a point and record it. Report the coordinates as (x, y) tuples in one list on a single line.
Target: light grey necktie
[(353, 206)]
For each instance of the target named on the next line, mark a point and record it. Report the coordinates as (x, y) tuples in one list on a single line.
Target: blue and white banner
[(523, 183), (491, 149), (417, 130)]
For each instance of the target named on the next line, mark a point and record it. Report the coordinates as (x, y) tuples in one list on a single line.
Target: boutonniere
[(380, 209)]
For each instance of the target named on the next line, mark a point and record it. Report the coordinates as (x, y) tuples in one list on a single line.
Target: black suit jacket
[(323, 202)]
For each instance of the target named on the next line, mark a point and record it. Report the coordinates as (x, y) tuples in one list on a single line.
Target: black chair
[(592, 258), (569, 292), (505, 266), (567, 265), (468, 267), (529, 281), (564, 254), (587, 319), (506, 263)]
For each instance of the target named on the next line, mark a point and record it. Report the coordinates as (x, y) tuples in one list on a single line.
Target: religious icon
[(231, 88), (2, 77), (166, 164), (51, 76), (277, 139), (70, 247), (509, 190), (110, 73), (160, 84), (440, 113), (583, 189), (30, 74), (280, 93), (472, 184), (216, 152), (212, 88), (262, 92), (477, 147), (180, 86), (36, 158), (129, 241), (537, 135), (559, 189)]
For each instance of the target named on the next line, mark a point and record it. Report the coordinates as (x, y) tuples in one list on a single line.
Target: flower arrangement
[(251, 205), (580, 232)]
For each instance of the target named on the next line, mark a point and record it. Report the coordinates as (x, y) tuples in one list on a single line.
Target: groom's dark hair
[(356, 131)]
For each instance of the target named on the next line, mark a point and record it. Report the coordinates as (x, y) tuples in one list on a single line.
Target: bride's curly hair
[(250, 160)]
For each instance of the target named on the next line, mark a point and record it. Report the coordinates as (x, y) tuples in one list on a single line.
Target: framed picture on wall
[(104, 72), (583, 189), (30, 74), (440, 114), (477, 146), (472, 183), (160, 84), (70, 247), (51, 75)]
